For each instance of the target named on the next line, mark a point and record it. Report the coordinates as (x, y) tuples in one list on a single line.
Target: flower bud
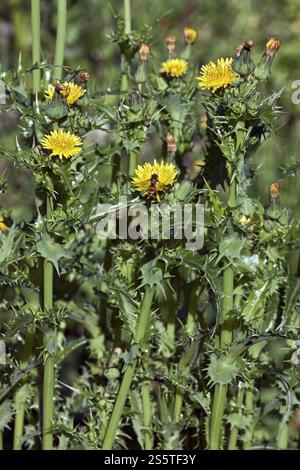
[(171, 44), (83, 77), (171, 144), (190, 35), (57, 108), (144, 52), (274, 191), (272, 46), (243, 64), (262, 70)]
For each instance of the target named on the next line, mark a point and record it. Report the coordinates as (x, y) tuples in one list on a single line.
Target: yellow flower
[(68, 90), (190, 35), (62, 144), (73, 92), (244, 220), (248, 224), (50, 93), (174, 67), (216, 75), (154, 178), (3, 226)]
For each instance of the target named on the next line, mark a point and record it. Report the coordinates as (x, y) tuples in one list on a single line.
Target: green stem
[(283, 438), (48, 385), (220, 394), (60, 38), (249, 402), (147, 410), (36, 44), (19, 424), (132, 163), (128, 375), (177, 405), (232, 445), (162, 406), (1, 441), (127, 30), (21, 407)]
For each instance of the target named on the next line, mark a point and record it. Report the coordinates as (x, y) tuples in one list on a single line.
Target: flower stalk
[(128, 375), (36, 44), (48, 383), (220, 393), (60, 38)]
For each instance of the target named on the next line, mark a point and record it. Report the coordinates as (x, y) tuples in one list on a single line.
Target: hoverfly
[(152, 188)]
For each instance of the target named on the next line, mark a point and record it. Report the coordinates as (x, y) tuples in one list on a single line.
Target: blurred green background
[(222, 26)]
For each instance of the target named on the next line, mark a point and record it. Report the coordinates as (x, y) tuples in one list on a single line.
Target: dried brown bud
[(83, 77), (171, 43), (272, 46), (144, 52), (274, 190), (171, 144), (246, 46)]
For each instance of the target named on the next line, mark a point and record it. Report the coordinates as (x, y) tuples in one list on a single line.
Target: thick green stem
[(1, 441), (220, 393), (249, 406), (48, 385), (132, 163), (177, 405), (128, 376), (232, 445), (162, 406), (147, 410), (283, 438), (127, 30), (60, 38), (18, 429), (36, 44)]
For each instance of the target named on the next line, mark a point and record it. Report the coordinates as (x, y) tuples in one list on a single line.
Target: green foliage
[(106, 332)]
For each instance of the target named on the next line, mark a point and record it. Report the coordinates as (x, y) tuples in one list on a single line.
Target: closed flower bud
[(190, 35), (171, 44), (274, 190), (83, 77), (272, 46), (262, 70), (144, 52), (171, 144), (57, 108), (243, 64)]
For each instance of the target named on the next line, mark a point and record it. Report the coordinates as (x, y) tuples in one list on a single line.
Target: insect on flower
[(152, 179)]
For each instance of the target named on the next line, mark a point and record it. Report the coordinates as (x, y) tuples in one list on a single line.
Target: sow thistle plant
[(145, 343)]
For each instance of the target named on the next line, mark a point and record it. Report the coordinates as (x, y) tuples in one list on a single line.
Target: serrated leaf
[(50, 250)]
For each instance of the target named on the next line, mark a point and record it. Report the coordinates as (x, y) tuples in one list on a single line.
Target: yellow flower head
[(62, 144), (3, 226), (68, 90), (156, 176), (174, 67), (190, 35), (214, 76), (50, 93)]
